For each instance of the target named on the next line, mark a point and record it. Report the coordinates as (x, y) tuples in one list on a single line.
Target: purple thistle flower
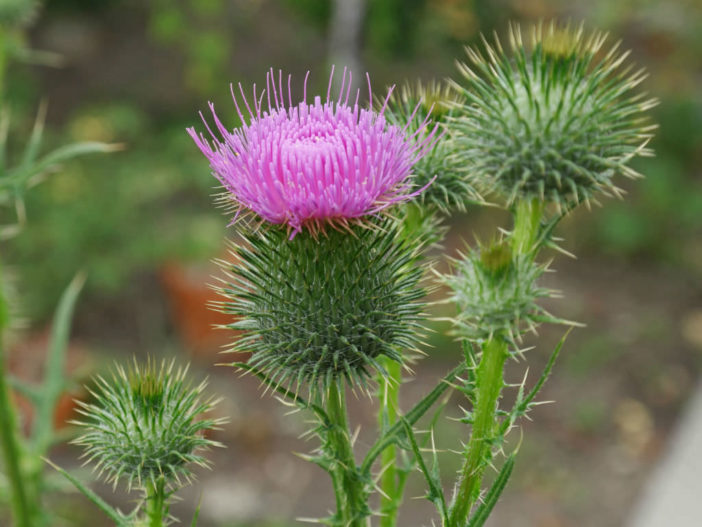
[(313, 163)]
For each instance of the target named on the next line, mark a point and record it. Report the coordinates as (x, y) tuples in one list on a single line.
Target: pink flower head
[(312, 163)]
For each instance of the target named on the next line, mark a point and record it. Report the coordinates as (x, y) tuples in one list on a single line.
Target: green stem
[(8, 431), (10, 451), (350, 495), (156, 503), (3, 63), (490, 381), (390, 495), (527, 223)]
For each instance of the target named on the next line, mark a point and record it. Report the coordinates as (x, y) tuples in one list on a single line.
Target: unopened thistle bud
[(496, 293), (556, 119), (146, 423), (413, 106)]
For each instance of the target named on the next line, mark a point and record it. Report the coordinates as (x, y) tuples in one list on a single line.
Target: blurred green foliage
[(147, 205), (198, 29)]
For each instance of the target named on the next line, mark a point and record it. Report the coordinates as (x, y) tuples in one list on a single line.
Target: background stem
[(8, 430), (10, 449), (489, 385), (389, 394), (352, 504)]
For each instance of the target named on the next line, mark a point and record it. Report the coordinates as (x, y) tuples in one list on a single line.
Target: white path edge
[(673, 495)]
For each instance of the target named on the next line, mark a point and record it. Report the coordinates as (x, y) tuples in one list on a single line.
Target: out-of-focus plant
[(197, 28), (93, 215), (19, 172), (326, 290)]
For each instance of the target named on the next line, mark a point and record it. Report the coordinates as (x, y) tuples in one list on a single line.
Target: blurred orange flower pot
[(190, 296)]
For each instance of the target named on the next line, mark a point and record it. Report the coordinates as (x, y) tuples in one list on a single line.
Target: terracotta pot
[(191, 295)]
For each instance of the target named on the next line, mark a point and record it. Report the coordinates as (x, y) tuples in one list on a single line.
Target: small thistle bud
[(496, 292), (318, 309), (557, 120), (496, 258), (414, 106), (146, 423)]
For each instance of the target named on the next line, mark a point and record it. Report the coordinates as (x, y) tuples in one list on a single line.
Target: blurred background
[(141, 223)]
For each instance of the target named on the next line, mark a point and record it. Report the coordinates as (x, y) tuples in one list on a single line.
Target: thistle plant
[(312, 165), (342, 202), (146, 427), (552, 122), (324, 308)]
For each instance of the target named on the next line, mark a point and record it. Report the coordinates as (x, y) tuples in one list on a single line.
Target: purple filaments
[(313, 163)]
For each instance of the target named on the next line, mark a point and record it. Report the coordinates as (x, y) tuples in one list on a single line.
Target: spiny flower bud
[(414, 106), (556, 120), (146, 423), (496, 293), (317, 309)]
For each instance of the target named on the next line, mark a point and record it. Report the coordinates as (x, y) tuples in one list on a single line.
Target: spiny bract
[(413, 106), (557, 120), (146, 423), (496, 293), (318, 309)]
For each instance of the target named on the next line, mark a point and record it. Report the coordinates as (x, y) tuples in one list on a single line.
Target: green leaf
[(26, 389), (197, 514), (391, 435), (522, 404), (547, 369), (22, 174), (32, 149), (116, 516), (436, 493), (54, 375), (482, 513)]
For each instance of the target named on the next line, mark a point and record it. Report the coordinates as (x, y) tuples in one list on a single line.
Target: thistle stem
[(8, 432), (390, 495), (489, 377), (10, 451), (156, 502), (527, 222), (351, 504), (3, 63)]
